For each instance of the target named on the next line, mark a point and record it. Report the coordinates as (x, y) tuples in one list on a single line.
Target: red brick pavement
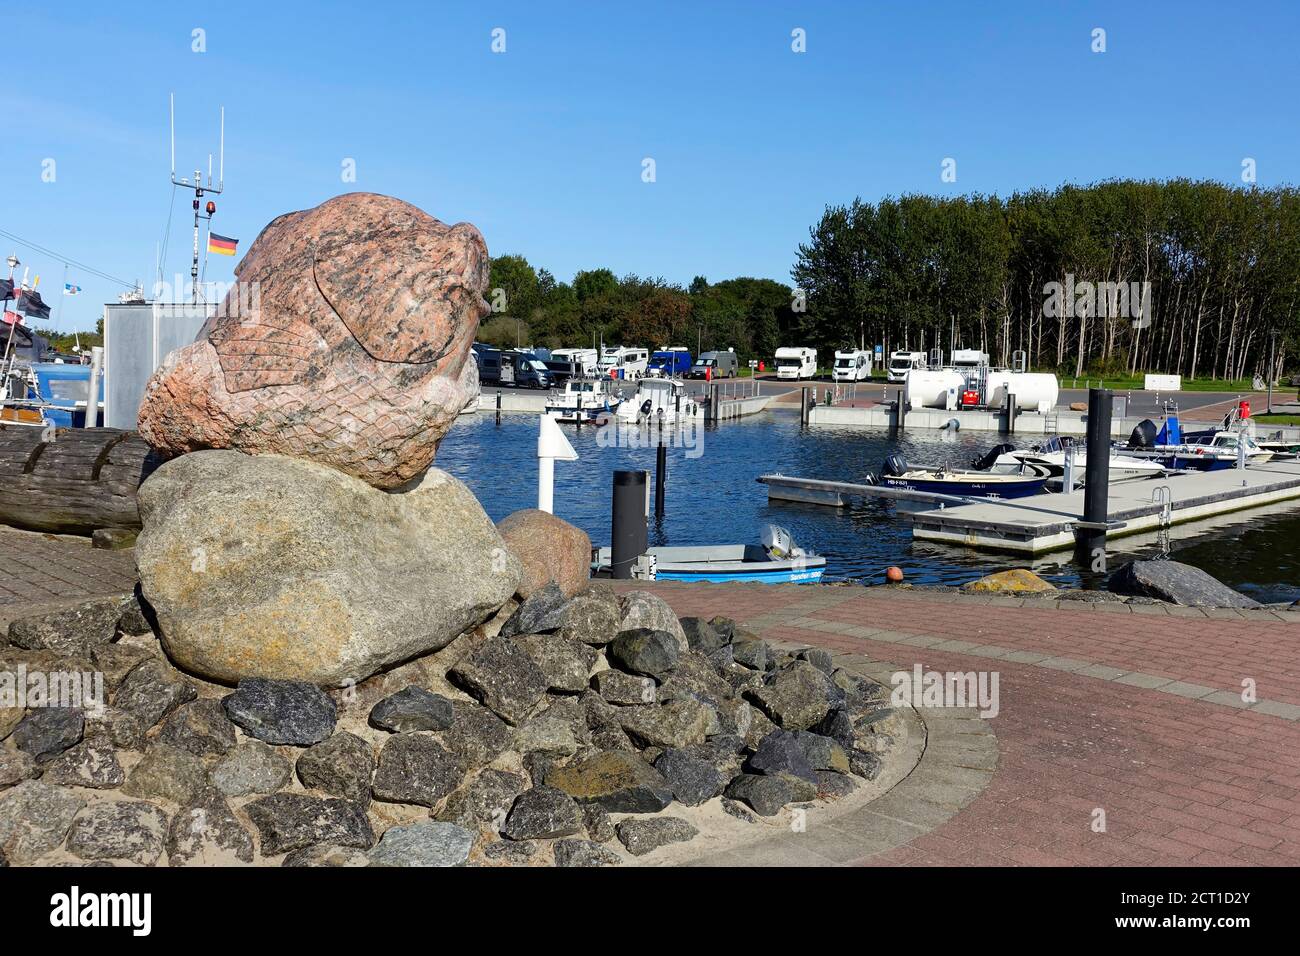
[(1180, 781)]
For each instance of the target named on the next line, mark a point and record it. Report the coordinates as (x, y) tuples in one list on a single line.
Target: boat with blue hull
[(717, 563), (1028, 480)]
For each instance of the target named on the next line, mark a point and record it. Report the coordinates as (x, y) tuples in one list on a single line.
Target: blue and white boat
[(942, 480), (778, 560)]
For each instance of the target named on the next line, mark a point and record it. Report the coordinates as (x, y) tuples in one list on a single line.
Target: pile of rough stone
[(541, 737)]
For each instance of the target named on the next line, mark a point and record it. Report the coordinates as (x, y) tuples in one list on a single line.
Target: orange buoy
[(894, 575)]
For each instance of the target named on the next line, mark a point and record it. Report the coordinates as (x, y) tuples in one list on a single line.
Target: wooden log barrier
[(79, 480)]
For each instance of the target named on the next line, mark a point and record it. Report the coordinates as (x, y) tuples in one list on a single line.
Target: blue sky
[(542, 146)]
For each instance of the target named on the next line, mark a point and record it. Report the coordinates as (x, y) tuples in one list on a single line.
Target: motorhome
[(713, 365), (510, 367), (586, 360), (900, 363), (854, 366), (623, 361), (967, 359), (796, 362), (669, 362)]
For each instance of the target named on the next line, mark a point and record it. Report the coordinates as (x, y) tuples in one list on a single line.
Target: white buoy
[(551, 446)]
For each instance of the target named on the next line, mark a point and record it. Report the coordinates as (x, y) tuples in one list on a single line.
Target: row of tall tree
[(1193, 278), (532, 308)]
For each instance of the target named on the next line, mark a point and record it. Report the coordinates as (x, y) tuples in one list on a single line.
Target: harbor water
[(713, 498)]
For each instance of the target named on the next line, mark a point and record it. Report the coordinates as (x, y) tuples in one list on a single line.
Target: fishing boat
[(943, 480), (583, 400), (777, 560), (659, 400), (1051, 454)]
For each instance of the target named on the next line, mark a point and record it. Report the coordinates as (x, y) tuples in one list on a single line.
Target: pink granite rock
[(355, 351)]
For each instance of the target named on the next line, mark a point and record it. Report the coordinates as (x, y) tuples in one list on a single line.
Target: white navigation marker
[(552, 446)]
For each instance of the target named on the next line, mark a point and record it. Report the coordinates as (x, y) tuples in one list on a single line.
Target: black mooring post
[(803, 406), (900, 409), (1011, 413), (628, 536), (1091, 534), (661, 475), (498, 407)]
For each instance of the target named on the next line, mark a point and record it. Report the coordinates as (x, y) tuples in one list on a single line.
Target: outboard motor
[(779, 543), (894, 466), (1144, 435), (987, 461)]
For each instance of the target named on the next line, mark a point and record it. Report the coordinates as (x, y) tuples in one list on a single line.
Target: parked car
[(715, 365)]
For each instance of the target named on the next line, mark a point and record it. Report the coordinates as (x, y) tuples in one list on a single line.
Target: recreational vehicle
[(715, 365), (796, 363), (900, 363), (854, 366)]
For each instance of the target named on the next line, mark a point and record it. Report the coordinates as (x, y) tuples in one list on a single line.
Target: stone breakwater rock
[(427, 843), (414, 768), (74, 630), (282, 711), (207, 833), (642, 836), (255, 767), (341, 766), (271, 567), (550, 549), (350, 347), (619, 781), (1015, 581), (412, 708), (290, 821), (133, 830), (501, 675), (34, 819), (646, 652), (1175, 583), (584, 853), (639, 609)]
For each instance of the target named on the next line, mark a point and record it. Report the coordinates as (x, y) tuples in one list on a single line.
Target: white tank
[(1034, 391), (933, 388)]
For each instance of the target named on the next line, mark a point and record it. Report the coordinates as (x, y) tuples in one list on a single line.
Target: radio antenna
[(201, 210)]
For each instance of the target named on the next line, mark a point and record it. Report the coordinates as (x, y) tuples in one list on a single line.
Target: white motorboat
[(777, 560), (660, 400), (584, 400), (1051, 455)]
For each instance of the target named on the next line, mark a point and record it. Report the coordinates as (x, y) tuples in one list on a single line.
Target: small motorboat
[(943, 480), (583, 400), (1006, 459), (660, 401), (777, 560)]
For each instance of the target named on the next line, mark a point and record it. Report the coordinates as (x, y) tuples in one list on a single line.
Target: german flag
[(221, 245)]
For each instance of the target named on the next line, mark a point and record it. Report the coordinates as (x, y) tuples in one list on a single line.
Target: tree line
[(531, 308), (1192, 278)]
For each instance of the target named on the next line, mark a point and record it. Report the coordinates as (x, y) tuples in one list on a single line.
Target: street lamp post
[(1272, 348)]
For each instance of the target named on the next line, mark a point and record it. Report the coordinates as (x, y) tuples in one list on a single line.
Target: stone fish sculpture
[(357, 354)]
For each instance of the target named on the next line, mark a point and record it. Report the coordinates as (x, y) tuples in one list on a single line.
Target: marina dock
[(1045, 523)]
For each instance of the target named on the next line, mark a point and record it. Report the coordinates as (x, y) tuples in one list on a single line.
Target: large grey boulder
[(270, 566), (643, 609), (1175, 583)]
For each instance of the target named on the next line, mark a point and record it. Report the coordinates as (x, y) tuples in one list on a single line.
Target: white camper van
[(852, 366), (796, 363), (630, 359), (900, 363), (586, 360)]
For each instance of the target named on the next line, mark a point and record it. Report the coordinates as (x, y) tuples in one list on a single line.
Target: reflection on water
[(712, 498)]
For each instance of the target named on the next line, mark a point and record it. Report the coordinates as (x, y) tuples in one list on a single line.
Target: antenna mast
[(201, 211)]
